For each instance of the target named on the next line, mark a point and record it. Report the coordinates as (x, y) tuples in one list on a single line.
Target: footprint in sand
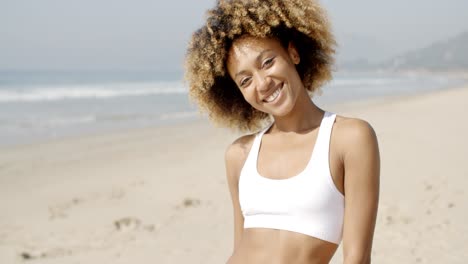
[(127, 223), (188, 202), (60, 210), (41, 254), (191, 202), (131, 224)]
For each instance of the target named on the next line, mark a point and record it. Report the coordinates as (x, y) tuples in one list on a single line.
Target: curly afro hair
[(302, 22)]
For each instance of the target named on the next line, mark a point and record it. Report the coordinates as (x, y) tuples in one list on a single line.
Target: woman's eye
[(244, 82), (267, 62)]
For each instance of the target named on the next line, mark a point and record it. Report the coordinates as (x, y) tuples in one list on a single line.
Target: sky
[(151, 35)]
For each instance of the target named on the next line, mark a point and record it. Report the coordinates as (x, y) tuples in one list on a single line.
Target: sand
[(159, 195)]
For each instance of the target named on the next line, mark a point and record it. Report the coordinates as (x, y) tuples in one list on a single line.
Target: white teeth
[(273, 96)]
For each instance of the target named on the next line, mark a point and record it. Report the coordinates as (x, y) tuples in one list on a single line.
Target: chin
[(281, 112)]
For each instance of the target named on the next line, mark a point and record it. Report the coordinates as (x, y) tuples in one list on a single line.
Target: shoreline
[(23, 131), (199, 119)]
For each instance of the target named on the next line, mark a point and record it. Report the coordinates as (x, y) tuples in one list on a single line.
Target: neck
[(304, 117)]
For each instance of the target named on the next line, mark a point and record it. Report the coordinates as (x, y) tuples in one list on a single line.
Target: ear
[(293, 53)]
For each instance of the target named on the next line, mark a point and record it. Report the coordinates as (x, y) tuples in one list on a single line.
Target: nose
[(264, 83)]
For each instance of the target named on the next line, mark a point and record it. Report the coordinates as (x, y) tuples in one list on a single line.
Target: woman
[(307, 180)]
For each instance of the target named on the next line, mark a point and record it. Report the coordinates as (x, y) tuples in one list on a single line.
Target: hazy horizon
[(152, 35)]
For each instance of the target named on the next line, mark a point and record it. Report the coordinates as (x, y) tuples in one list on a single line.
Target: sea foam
[(64, 92)]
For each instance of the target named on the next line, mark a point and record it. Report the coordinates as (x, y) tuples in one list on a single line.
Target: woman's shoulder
[(237, 152), (351, 133), (239, 148), (352, 124)]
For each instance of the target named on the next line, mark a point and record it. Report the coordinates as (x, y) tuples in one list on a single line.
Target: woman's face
[(265, 73)]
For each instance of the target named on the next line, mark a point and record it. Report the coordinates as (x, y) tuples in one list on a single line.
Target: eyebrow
[(256, 59)]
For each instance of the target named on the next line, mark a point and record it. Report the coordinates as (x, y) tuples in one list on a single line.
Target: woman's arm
[(235, 157), (361, 162)]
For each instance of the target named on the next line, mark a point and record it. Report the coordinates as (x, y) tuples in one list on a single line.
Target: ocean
[(39, 106)]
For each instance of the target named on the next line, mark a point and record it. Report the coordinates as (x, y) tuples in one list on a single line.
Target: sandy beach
[(160, 196)]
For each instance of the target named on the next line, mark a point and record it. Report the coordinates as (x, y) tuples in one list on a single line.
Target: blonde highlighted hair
[(302, 22)]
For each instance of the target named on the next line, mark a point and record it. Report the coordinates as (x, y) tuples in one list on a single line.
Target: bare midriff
[(273, 246)]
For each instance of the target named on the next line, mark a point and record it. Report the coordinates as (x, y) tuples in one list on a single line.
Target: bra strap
[(324, 136)]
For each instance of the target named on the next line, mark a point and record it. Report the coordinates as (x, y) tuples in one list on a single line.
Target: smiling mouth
[(274, 95)]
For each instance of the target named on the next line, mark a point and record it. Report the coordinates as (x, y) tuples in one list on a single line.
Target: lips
[(274, 95)]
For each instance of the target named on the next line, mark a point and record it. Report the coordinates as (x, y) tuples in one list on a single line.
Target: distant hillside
[(448, 55), (360, 48)]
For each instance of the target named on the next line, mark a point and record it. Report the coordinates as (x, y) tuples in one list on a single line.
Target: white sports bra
[(308, 203)]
